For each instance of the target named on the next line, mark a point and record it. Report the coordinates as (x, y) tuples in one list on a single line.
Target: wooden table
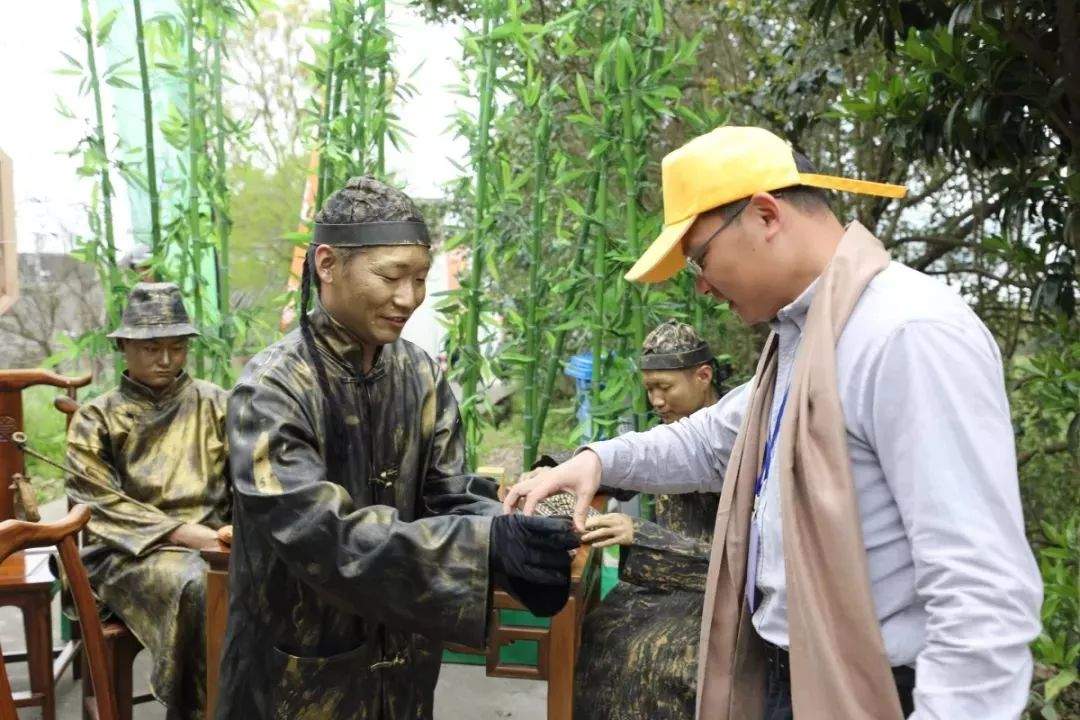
[(558, 645)]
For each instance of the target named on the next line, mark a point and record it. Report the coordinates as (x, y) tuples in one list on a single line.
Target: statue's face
[(675, 394), (375, 291), (155, 363)]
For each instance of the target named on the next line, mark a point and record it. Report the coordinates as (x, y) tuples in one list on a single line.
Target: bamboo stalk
[(222, 219), (194, 240), (471, 377), (630, 150), (325, 118), (106, 183), (384, 102), (555, 361), (532, 331), (359, 82), (148, 127), (330, 178), (599, 273)]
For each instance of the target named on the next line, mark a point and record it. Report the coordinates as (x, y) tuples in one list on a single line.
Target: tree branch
[(1025, 457)]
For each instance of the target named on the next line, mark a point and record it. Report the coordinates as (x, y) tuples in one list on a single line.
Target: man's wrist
[(592, 457)]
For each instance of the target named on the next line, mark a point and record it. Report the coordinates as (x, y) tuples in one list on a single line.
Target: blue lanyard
[(770, 446)]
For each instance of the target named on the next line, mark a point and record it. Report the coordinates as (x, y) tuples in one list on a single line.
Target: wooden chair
[(17, 536), (25, 579), (121, 645), (556, 645)]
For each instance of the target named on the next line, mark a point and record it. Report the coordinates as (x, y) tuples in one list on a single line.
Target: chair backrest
[(12, 383), (16, 535)]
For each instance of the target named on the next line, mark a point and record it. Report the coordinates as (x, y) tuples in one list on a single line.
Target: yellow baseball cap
[(728, 164)]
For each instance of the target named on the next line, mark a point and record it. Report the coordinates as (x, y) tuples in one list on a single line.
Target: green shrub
[(1056, 692)]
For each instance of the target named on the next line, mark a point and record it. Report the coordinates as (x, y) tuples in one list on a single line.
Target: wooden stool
[(27, 583), (121, 647)]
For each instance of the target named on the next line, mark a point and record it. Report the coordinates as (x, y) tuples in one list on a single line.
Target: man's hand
[(196, 537), (224, 534), (579, 475), (609, 529)]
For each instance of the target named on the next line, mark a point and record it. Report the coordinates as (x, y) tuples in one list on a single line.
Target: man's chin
[(749, 316)]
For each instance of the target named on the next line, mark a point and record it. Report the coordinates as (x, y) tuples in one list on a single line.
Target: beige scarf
[(839, 670)]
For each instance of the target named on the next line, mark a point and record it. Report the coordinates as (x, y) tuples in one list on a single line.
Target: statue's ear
[(704, 373)]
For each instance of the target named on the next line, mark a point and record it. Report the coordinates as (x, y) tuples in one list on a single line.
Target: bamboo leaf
[(118, 82), (574, 205), (513, 357), (656, 19), (583, 94), (581, 119), (72, 60), (116, 66), (624, 64), (1059, 682), (689, 115), (106, 25), (506, 30), (63, 109)]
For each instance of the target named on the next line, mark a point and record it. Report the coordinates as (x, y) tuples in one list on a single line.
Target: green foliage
[(1057, 650), (603, 78), (189, 217), (989, 89), (351, 116), (264, 215), (47, 430)]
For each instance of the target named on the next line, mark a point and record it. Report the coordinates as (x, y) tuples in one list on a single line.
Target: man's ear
[(767, 211), (325, 260)]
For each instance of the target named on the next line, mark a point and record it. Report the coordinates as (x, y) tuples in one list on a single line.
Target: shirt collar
[(135, 390), (795, 311), (341, 344)]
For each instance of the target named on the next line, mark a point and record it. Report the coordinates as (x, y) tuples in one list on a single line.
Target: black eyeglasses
[(694, 262)]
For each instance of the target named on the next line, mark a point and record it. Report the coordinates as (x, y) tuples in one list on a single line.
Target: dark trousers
[(778, 686)]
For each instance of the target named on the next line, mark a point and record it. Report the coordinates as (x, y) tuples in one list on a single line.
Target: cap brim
[(664, 257), (843, 184), (153, 332)]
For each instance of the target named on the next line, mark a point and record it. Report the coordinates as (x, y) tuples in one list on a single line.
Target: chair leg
[(123, 655), (87, 684), (37, 623), (76, 660)]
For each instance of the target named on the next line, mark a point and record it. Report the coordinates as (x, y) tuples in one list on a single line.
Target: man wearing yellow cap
[(869, 557)]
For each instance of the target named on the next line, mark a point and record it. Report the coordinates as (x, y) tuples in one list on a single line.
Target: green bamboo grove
[(188, 210), (358, 87), (550, 218), (557, 216)]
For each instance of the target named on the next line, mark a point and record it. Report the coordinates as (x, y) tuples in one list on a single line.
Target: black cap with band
[(366, 234), (677, 360)]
